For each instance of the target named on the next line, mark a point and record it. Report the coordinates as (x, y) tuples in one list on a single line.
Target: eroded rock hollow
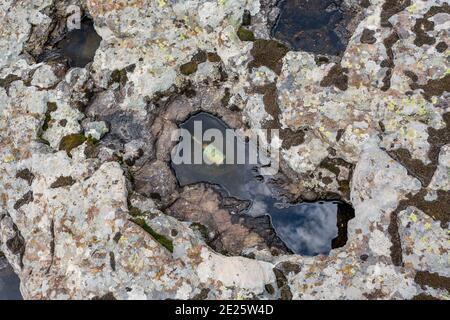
[(93, 207)]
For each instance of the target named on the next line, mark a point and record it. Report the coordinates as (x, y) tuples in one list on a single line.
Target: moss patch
[(135, 212), (118, 76), (6, 82), (71, 141), (201, 229), (188, 68), (165, 242), (213, 57), (26, 198), (245, 34), (192, 66), (51, 107)]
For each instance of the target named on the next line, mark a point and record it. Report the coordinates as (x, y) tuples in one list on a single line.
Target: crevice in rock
[(396, 247), (52, 245), (58, 44)]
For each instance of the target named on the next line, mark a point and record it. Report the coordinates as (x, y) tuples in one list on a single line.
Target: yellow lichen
[(421, 111), (411, 9), (8, 158)]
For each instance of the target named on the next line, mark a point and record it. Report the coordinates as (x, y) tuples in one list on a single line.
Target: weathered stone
[(381, 107)]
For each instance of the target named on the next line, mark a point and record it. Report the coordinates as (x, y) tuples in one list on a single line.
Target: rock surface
[(86, 195)]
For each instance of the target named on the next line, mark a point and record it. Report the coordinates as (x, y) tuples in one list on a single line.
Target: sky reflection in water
[(306, 228)]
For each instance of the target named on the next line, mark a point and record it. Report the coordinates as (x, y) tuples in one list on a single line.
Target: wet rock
[(319, 27), (269, 86), (156, 180), (80, 45), (200, 204), (309, 196)]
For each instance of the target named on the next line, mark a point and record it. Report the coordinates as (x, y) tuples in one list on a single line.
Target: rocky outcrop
[(85, 186)]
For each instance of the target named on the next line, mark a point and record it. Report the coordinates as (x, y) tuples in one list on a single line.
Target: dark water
[(232, 177), (9, 282), (305, 228), (79, 46), (310, 26)]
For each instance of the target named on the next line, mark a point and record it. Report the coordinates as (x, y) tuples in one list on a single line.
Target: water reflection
[(9, 282), (80, 45), (305, 228), (310, 26), (234, 178)]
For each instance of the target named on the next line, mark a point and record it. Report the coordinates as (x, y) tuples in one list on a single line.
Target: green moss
[(51, 107), (71, 141), (5, 82), (91, 141), (135, 212), (200, 228), (245, 34), (165, 242), (213, 57), (330, 166), (189, 68), (118, 76), (91, 150), (130, 176)]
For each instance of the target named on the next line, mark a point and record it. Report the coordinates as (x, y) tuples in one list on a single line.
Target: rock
[(95, 129), (380, 109), (309, 196)]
